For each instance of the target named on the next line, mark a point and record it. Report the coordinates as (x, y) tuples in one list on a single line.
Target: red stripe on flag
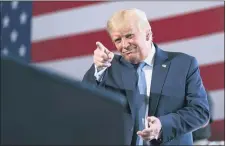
[(189, 25), (213, 82), (43, 7), (217, 129), (165, 30)]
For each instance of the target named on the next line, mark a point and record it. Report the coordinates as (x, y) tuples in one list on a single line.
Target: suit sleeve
[(194, 114), (90, 77)]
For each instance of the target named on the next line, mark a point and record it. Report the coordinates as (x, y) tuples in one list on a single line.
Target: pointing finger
[(101, 46)]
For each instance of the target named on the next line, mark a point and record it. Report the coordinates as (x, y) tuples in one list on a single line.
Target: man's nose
[(125, 43)]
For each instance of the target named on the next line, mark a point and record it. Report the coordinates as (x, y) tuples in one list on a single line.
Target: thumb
[(151, 119), (110, 55)]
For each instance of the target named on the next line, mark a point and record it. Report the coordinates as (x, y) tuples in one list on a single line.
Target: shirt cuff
[(99, 73)]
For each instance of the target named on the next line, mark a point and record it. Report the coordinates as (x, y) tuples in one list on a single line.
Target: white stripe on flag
[(207, 49), (217, 97)]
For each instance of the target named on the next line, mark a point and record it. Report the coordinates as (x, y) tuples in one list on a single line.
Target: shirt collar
[(150, 59)]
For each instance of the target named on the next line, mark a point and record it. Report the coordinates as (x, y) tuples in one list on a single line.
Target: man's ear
[(148, 35)]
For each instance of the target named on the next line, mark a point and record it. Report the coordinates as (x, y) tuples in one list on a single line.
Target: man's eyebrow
[(129, 34), (118, 38)]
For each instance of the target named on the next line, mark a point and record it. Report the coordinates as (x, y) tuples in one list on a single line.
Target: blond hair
[(125, 17)]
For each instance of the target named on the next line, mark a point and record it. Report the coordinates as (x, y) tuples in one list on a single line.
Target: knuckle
[(102, 56), (101, 60)]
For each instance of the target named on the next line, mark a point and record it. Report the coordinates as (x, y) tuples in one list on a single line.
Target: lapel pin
[(164, 65)]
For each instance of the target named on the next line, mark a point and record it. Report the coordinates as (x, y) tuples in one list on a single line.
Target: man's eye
[(117, 40), (129, 36)]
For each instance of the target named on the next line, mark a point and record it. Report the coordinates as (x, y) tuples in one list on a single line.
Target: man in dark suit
[(165, 94)]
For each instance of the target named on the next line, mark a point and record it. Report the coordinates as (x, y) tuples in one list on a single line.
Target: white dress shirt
[(148, 68)]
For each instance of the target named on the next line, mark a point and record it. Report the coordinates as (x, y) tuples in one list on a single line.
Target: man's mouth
[(127, 53)]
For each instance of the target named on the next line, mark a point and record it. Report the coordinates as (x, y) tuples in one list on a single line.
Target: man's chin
[(132, 59)]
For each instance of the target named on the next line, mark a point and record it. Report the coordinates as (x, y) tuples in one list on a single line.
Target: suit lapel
[(160, 70)]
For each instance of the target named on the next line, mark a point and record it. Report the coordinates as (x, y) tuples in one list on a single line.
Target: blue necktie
[(141, 79), (140, 117)]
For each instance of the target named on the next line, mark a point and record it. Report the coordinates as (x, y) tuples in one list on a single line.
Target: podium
[(42, 108)]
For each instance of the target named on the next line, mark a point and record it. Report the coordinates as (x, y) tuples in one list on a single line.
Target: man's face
[(130, 42)]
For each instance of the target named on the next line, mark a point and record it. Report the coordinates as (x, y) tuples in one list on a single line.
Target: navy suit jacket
[(178, 97)]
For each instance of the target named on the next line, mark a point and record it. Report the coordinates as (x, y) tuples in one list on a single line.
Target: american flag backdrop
[(61, 36)]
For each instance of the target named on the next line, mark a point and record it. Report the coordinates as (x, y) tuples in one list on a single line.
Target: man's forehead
[(124, 29), (121, 32)]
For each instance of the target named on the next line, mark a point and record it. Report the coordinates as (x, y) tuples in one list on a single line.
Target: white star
[(14, 4), (22, 50), (5, 21), (5, 51), (23, 18), (13, 35)]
